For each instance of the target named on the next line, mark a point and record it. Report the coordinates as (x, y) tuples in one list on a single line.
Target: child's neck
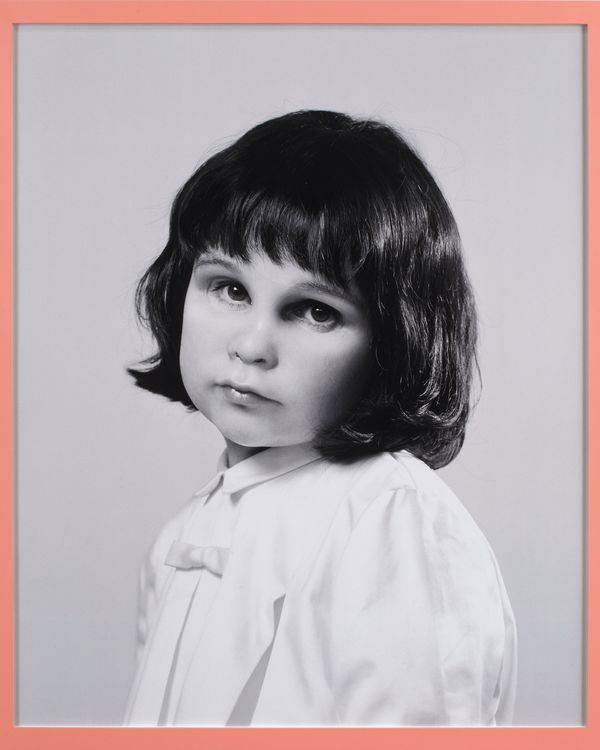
[(237, 453)]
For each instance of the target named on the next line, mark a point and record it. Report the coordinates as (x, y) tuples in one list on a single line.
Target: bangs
[(320, 243), (325, 210)]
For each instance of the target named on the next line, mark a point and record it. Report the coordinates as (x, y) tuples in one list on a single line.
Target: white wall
[(110, 122)]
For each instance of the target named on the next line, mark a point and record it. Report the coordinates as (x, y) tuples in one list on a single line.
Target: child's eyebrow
[(215, 257), (328, 288)]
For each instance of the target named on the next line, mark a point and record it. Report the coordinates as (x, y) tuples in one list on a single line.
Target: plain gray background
[(110, 122)]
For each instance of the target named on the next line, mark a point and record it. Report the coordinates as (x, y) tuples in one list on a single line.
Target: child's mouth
[(239, 395)]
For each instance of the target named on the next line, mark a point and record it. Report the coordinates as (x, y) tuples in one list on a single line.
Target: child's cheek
[(329, 377)]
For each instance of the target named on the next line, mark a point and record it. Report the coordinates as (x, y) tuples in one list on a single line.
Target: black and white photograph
[(299, 375)]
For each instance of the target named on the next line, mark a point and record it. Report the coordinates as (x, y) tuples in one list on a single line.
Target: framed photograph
[(108, 109)]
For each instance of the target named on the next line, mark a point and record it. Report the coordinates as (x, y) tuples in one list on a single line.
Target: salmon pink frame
[(585, 14)]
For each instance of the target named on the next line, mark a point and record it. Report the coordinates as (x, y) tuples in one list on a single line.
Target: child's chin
[(261, 439), (254, 441)]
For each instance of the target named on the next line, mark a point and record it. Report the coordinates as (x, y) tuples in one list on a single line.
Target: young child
[(312, 303)]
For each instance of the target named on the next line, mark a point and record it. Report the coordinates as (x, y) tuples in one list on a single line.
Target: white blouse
[(292, 590)]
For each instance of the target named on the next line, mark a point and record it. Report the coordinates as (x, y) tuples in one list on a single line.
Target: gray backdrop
[(110, 122)]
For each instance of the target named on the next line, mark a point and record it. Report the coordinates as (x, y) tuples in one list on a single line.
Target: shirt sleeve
[(146, 600), (153, 575), (422, 629)]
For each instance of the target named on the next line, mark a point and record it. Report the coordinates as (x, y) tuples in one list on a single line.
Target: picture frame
[(530, 12)]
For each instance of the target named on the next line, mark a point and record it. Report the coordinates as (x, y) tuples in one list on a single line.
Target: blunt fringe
[(346, 199)]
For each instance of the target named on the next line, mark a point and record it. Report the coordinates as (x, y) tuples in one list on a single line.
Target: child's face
[(271, 353)]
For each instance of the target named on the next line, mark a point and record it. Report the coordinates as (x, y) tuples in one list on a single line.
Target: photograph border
[(385, 12)]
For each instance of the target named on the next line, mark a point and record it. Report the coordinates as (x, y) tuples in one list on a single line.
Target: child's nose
[(254, 345)]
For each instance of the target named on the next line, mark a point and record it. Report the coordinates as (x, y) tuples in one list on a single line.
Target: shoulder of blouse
[(419, 606), (414, 521), (399, 483), (400, 517)]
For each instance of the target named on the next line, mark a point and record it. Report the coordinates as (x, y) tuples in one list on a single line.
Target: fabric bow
[(187, 556)]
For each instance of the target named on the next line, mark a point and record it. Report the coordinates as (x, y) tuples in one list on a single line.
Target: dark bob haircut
[(348, 200)]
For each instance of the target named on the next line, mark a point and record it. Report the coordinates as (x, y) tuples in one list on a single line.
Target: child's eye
[(230, 292), (318, 315), (235, 292)]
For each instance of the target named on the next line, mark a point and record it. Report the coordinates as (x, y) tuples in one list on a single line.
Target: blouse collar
[(260, 467)]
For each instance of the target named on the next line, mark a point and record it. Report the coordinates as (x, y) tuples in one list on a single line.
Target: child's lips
[(241, 394)]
